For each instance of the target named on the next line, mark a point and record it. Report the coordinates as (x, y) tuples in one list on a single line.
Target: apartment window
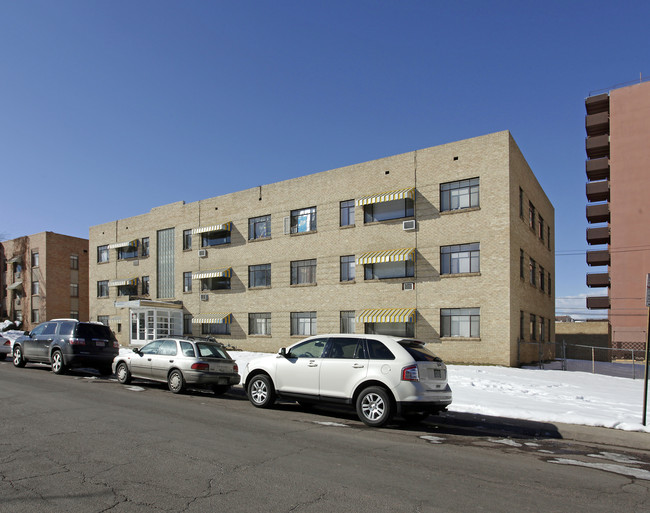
[(385, 270), (259, 323), (394, 329), (102, 254), (549, 284), (348, 324), (217, 328), (102, 319), (521, 325), (540, 228), (187, 239), (521, 202), (128, 290), (216, 238), (187, 323), (303, 323), (35, 259), (347, 269), (145, 285), (259, 227), (218, 283), (347, 213), (145, 247), (387, 210), (548, 237), (35, 288), (102, 288), (36, 315), (531, 216), (462, 258), (533, 327), (18, 271), (541, 278), (532, 267), (74, 262), (521, 264), (303, 272), (74, 314), (303, 220), (259, 276), (542, 330), (459, 195), (130, 251), (187, 282), (74, 290), (460, 322)]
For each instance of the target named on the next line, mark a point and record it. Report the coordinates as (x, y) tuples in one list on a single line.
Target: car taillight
[(235, 368), (7, 343), (200, 366), (410, 373), (116, 344), (77, 341)]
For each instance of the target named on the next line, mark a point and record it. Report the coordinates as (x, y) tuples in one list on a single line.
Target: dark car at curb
[(66, 344)]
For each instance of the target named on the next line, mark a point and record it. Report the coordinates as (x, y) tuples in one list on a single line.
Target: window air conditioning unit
[(203, 253), (408, 225), (204, 297), (409, 285)]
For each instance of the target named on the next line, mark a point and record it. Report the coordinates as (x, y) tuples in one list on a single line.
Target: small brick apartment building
[(43, 276), (452, 244)]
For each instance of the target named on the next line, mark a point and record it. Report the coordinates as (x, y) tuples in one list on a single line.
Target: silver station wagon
[(180, 362)]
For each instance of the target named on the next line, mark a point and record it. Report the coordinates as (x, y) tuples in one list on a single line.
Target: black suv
[(68, 343)]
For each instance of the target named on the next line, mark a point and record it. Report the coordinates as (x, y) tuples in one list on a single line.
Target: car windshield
[(417, 350), (207, 350)]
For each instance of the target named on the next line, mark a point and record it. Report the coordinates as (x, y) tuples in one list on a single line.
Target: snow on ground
[(531, 394), (538, 395)]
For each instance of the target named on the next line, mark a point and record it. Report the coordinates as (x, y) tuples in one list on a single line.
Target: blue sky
[(109, 108)]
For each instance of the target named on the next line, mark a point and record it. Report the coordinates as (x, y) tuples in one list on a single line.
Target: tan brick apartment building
[(618, 181), (451, 244), (44, 276)]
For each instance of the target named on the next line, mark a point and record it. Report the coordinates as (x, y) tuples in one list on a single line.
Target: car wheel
[(374, 406), (261, 392), (220, 389), (58, 367), (176, 381), (122, 373), (19, 359), (413, 417)]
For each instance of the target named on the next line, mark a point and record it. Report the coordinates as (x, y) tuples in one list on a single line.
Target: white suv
[(379, 375)]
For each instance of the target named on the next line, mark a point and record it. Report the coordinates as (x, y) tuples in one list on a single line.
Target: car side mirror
[(283, 352), (136, 351), (27, 333)]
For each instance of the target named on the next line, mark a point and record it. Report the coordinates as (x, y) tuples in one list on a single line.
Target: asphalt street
[(80, 443)]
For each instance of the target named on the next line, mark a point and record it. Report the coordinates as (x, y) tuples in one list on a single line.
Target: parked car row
[(378, 375)]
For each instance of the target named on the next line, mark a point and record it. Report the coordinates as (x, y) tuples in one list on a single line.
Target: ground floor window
[(348, 322), (303, 323), (217, 328), (396, 329), (259, 323), (460, 322)]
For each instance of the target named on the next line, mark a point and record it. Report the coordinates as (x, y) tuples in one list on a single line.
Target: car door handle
[(312, 364), (358, 366), (171, 361)]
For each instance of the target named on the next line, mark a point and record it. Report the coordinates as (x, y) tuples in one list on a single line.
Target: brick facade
[(496, 289)]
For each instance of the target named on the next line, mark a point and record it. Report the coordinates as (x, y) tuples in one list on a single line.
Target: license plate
[(99, 343)]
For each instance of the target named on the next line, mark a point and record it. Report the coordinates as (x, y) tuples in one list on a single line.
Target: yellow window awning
[(387, 255), (226, 272), (214, 228), (386, 196), (387, 315), (121, 283), (116, 245), (214, 318)]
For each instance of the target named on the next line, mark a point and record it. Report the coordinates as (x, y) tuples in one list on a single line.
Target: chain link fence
[(626, 359)]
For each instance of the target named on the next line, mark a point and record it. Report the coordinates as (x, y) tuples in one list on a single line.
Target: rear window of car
[(86, 330), (417, 350), (207, 350)]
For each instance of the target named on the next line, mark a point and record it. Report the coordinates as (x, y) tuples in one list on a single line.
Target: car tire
[(58, 365), (19, 358), (414, 417), (122, 373), (374, 406), (261, 392), (176, 381), (220, 389)]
